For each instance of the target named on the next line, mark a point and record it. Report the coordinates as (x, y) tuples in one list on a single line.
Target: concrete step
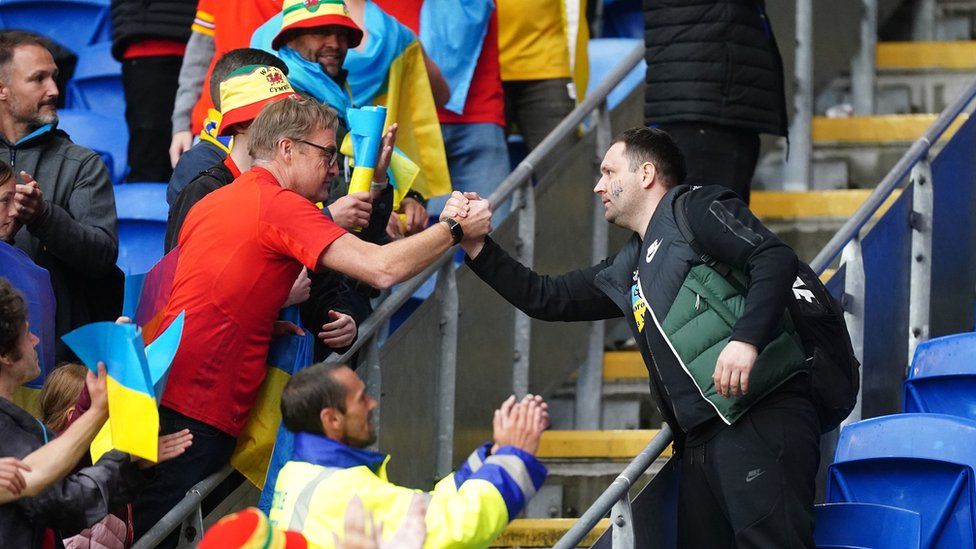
[(926, 56), (582, 464), (868, 145), (877, 130), (544, 532), (606, 445)]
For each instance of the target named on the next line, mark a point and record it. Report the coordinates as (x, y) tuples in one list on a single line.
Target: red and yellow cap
[(308, 14), (250, 529), (247, 90)]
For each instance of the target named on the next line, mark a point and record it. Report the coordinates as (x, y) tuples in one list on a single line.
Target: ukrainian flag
[(34, 283), (262, 436), (388, 69), (136, 375)]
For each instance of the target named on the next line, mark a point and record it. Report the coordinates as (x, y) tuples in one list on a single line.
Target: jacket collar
[(42, 132), (324, 451)]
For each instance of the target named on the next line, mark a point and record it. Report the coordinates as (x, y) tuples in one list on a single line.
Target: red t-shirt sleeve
[(293, 226)]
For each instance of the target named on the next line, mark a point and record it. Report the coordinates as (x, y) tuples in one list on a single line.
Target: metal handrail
[(182, 510), (519, 176), (918, 150), (617, 490)]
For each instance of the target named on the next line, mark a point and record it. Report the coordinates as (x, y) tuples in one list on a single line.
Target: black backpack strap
[(684, 227)]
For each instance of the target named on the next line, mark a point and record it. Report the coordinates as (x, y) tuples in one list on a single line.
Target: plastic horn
[(366, 126)]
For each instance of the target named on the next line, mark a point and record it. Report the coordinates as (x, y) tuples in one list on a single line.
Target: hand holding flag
[(135, 382)]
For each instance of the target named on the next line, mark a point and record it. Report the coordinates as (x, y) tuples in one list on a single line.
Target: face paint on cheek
[(616, 188)]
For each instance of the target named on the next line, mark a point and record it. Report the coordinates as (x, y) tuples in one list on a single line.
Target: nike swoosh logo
[(753, 475)]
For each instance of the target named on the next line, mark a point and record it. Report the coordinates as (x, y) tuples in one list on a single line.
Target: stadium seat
[(854, 525), (72, 23), (105, 135), (942, 378), (919, 462), (142, 212), (97, 82)]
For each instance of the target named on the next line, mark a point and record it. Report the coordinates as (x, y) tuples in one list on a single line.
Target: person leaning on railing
[(38, 492), (725, 366), (327, 406)]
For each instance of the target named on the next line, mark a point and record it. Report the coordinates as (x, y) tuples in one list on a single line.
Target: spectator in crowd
[(536, 67), (242, 94), (474, 136), (64, 398), (218, 28), (326, 405), (744, 422), (212, 149), (42, 493), (241, 248), (149, 38), (64, 200), (714, 83), (61, 396), (313, 40)]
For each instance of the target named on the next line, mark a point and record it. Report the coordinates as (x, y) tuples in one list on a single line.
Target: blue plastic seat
[(142, 213), (72, 23), (920, 462), (942, 378), (97, 82), (852, 525), (105, 135)]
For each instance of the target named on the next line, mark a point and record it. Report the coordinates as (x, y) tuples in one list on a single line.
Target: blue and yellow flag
[(264, 440), (34, 283), (136, 378), (388, 69)]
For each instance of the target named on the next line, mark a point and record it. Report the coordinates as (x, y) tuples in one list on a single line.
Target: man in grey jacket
[(64, 200)]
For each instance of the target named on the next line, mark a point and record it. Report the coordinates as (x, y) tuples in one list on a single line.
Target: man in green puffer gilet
[(727, 370)]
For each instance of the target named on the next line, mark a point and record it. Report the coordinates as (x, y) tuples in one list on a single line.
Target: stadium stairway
[(915, 81)]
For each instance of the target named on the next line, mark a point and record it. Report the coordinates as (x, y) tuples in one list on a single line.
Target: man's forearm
[(85, 248), (59, 457), (384, 266), (407, 257)]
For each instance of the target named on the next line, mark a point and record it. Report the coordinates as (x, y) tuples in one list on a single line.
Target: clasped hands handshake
[(474, 215)]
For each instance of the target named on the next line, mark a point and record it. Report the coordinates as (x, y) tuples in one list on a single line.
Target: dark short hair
[(307, 393), (13, 319), (235, 59), (655, 146), (13, 39)]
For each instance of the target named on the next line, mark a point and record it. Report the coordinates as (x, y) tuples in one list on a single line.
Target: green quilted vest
[(698, 326)]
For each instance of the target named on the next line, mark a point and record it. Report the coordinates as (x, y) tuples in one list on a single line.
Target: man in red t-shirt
[(474, 140), (241, 248)]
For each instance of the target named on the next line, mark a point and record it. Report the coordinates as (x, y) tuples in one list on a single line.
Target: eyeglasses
[(330, 153)]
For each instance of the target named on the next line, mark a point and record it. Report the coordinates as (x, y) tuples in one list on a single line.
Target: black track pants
[(752, 485)]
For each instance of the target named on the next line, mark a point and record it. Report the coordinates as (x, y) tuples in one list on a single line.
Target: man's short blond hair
[(292, 117)]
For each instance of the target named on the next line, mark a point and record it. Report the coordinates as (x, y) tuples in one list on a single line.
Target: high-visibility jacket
[(468, 508)]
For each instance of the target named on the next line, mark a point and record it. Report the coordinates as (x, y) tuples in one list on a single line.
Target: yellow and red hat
[(250, 529), (308, 14), (247, 90)]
